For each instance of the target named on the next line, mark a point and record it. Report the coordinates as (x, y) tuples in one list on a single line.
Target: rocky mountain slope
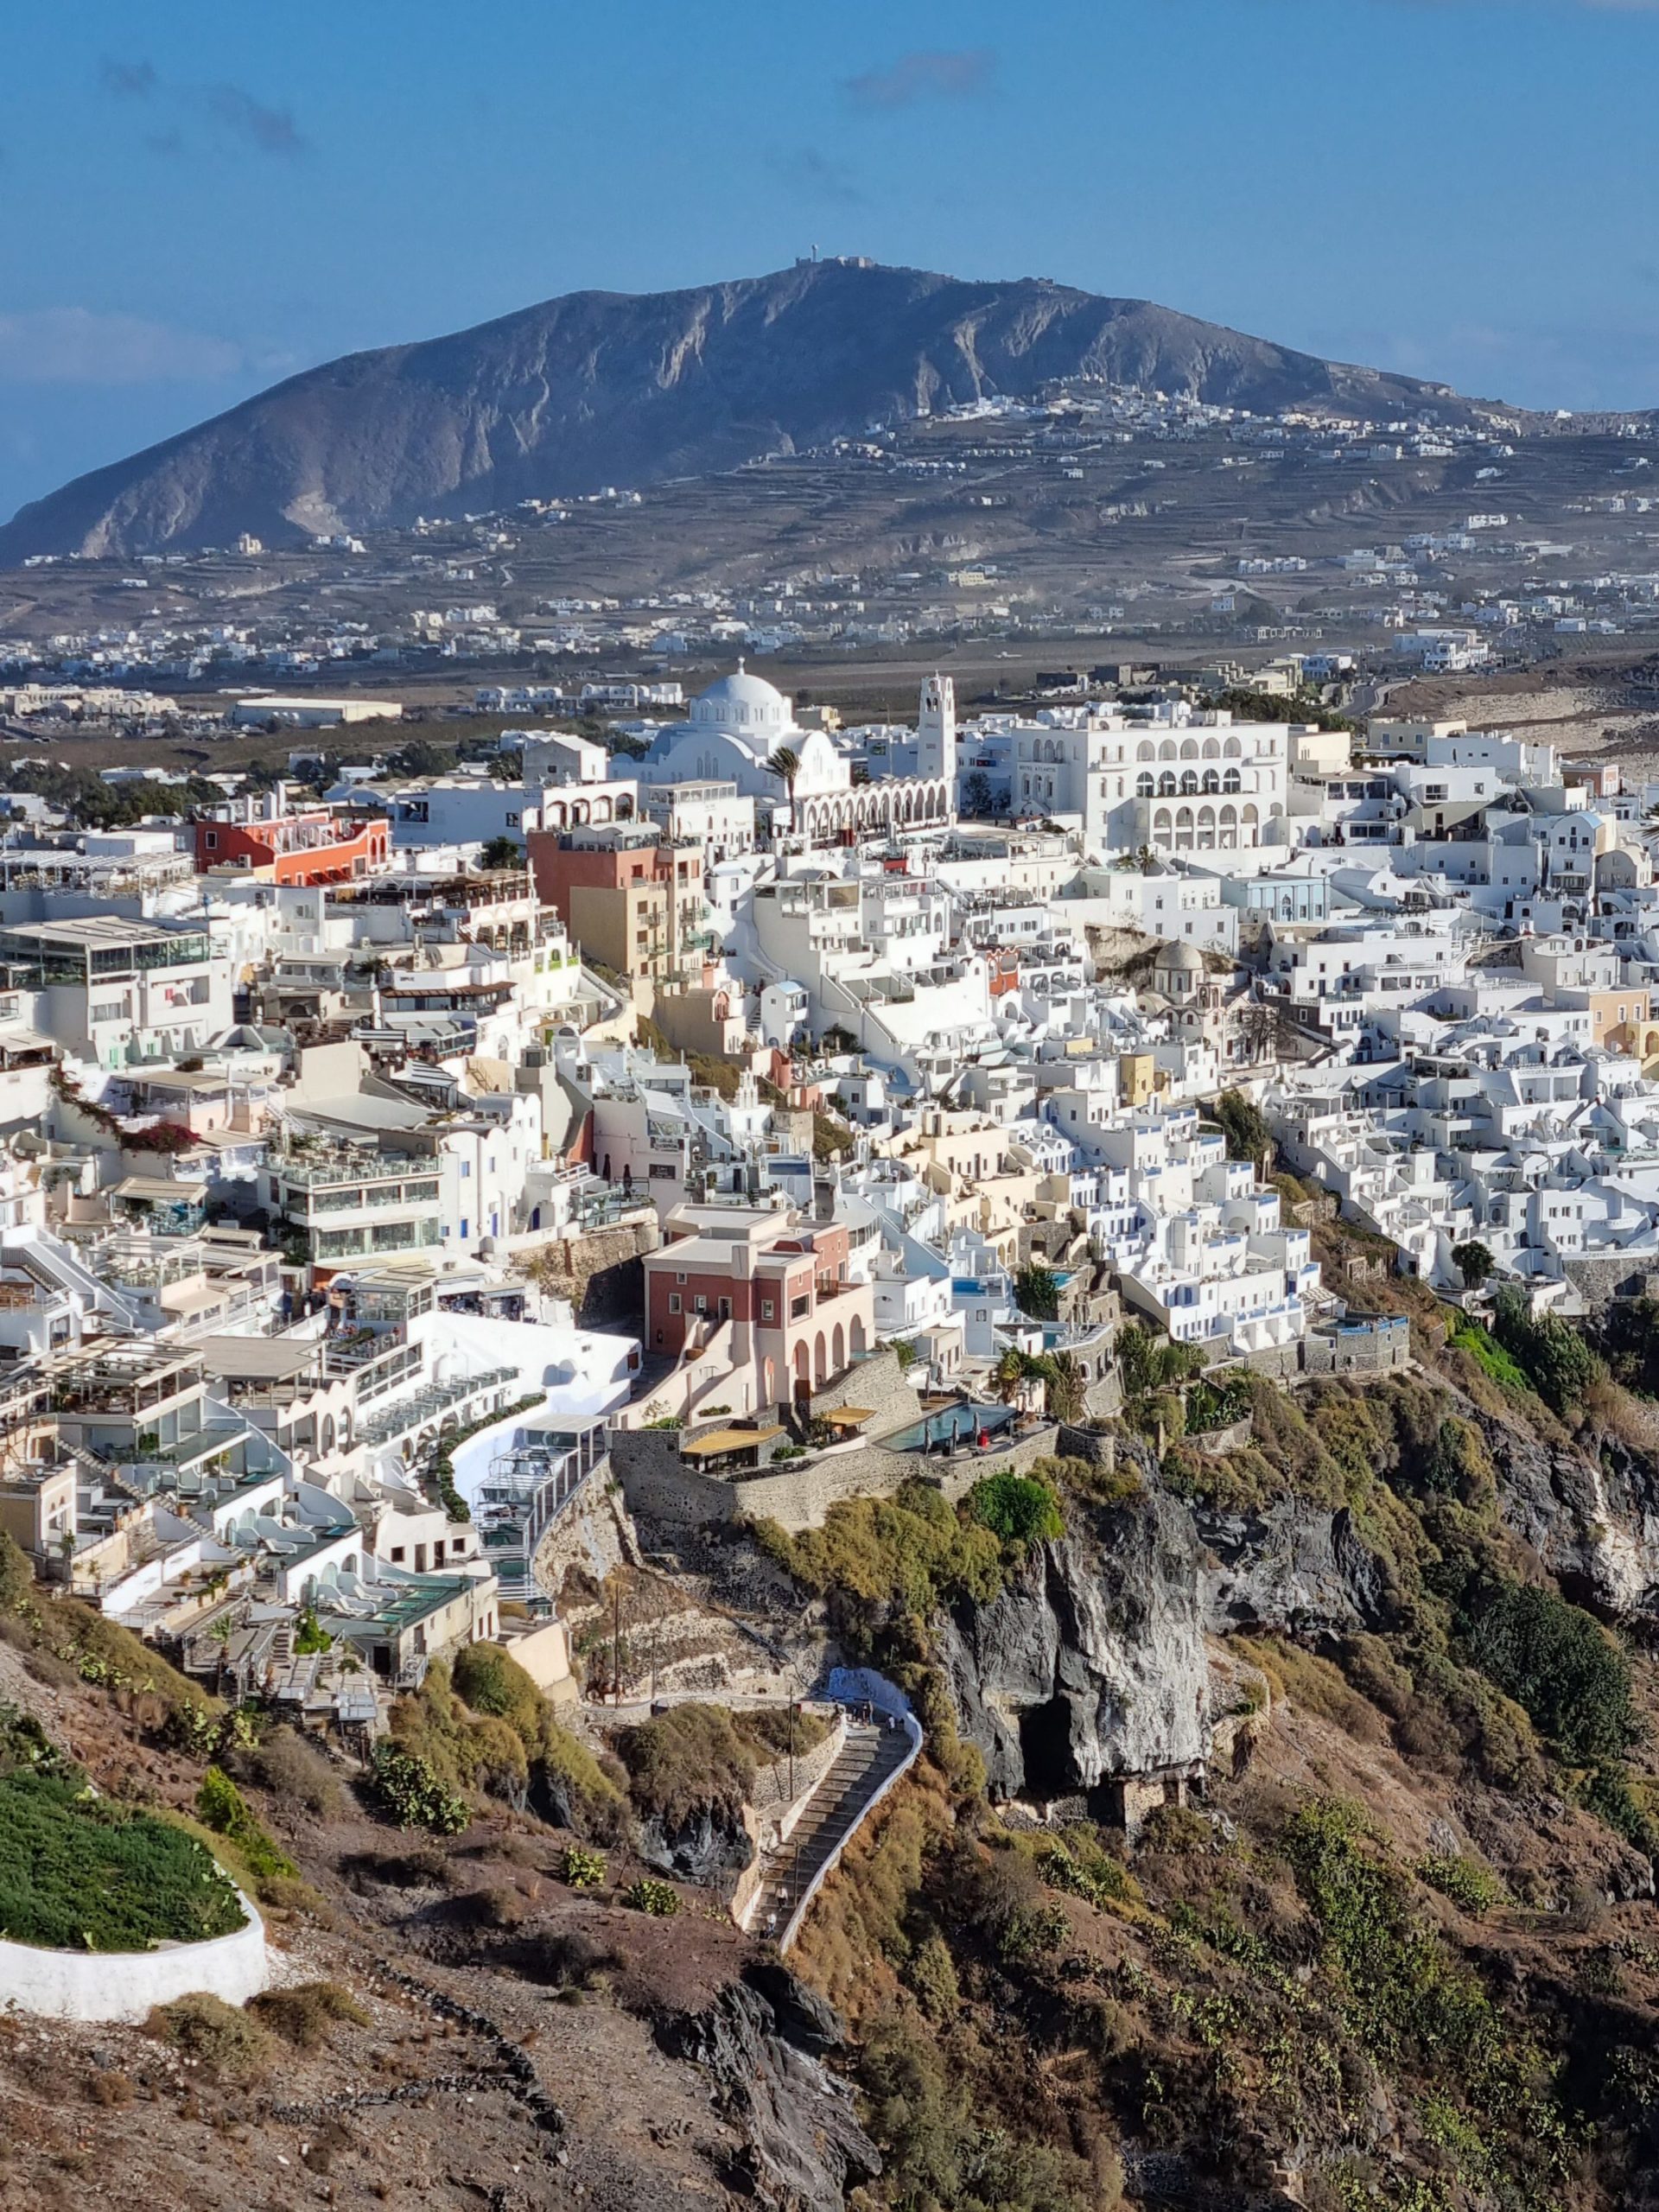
[(600, 388)]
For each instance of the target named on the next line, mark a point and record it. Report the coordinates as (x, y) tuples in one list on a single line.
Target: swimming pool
[(956, 1425)]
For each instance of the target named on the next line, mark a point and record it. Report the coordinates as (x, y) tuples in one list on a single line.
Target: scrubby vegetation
[(703, 1758), (79, 1873)]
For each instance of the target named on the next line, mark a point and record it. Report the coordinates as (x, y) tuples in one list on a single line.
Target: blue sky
[(200, 199)]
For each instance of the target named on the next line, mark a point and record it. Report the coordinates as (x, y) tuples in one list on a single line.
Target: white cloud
[(77, 346)]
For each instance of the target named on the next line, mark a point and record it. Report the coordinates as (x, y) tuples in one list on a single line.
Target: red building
[(315, 846)]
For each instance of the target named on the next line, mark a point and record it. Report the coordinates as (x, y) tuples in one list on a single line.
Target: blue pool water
[(956, 1425)]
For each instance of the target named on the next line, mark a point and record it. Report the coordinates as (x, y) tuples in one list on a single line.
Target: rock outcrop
[(762, 2040), (1094, 1663)]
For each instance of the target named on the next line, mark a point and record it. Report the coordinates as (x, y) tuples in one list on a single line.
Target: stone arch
[(839, 1348), (820, 1360), (857, 1340), (802, 1363)]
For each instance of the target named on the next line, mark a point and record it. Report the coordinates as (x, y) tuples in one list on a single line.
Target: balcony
[(313, 1170)]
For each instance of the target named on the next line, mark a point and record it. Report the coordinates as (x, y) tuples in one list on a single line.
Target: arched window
[(1189, 783), (1189, 748), (1144, 784), (1166, 750), (1211, 781), (1212, 750), (1232, 781), (1166, 784), (1230, 748), (1161, 822), (1145, 750)]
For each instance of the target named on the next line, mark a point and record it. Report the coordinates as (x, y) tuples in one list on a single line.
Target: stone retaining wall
[(126, 1984), (798, 1497), (658, 1484)]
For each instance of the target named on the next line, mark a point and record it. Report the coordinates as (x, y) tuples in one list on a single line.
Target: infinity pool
[(956, 1425)]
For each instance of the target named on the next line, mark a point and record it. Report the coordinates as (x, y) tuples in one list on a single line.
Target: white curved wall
[(124, 1984)]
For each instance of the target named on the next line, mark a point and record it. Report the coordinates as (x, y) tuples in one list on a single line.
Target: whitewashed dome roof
[(745, 704)]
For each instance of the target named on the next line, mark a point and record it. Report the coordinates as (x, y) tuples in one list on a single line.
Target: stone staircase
[(832, 1814)]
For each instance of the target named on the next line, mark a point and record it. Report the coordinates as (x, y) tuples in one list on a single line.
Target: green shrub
[(1558, 1364), (1016, 1508), (660, 1899), (221, 1806), (410, 1793), (1479, 1343), (1471, 1886), (582, 1869), (1552, 1658), (82, 1872), (492, 1681)]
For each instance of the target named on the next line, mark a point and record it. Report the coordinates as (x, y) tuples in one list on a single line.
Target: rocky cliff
[(1095, 1663)]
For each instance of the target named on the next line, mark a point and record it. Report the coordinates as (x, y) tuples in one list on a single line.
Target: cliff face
[(1094, 1662), (600, 388)]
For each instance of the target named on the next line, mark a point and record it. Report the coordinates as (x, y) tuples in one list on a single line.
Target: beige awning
[(160, 1190), (728, 1439)]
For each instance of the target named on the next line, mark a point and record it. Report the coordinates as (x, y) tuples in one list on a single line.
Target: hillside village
[(492, 1126), (536, 1212)]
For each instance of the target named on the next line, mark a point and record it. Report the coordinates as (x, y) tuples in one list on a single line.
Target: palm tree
[(787, 765), (1008, 1374), (1067, 1384)]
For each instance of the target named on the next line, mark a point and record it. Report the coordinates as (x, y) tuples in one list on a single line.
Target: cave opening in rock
[(1046, 1749)]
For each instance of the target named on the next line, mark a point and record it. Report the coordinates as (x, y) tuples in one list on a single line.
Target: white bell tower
[(936, 733)]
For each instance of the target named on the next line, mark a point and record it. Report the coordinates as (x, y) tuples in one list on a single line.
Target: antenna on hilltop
[(815, 253)]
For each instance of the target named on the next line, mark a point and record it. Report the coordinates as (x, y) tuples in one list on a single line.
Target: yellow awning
[(848, 1416)]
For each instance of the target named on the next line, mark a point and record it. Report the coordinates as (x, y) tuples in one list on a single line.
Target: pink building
[(775, 1290)]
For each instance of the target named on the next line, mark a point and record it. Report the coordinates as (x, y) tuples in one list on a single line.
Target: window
[(211, 840), (701, 1303), (679, 1278), (673, 1301), (466, 1171), (767, 1309)]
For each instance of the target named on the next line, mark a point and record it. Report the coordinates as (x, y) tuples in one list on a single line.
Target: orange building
[(316, 846)]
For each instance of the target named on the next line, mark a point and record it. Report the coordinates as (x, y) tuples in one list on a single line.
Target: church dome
[(1185, 959), (745, 705)]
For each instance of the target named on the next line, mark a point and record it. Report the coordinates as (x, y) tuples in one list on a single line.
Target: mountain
[(600, 387)]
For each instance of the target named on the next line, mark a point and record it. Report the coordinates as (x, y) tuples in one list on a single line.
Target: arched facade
[(899, 803)]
